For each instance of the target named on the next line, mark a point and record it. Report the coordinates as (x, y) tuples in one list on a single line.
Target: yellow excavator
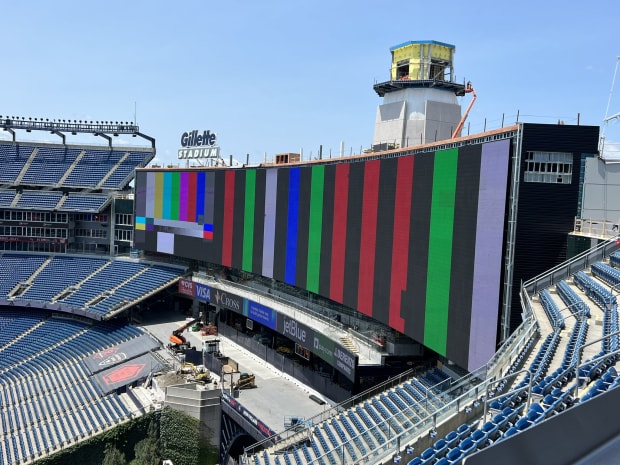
[(201, 375)]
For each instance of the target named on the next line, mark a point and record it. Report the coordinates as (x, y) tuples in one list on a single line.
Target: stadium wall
[(547, 211), (415, 241)]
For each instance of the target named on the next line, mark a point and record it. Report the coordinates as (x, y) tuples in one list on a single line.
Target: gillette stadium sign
[(196, 144)]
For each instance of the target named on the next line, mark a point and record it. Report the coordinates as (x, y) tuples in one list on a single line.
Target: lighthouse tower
[(420, 100)]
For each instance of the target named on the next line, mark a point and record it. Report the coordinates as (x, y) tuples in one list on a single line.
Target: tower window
[(548, 167)]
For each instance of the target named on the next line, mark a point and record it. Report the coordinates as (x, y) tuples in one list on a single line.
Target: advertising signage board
[(227, 300), (333, 353), (186, 287), (202, 292), (259, 313)]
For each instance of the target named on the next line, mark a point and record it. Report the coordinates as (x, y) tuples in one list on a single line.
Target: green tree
[(179, 437), (113, 456), (147, 450)]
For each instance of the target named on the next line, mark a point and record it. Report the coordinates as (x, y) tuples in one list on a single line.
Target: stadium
[(454, 300)]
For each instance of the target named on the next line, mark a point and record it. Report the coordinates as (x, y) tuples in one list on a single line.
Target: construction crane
[(468, 89)]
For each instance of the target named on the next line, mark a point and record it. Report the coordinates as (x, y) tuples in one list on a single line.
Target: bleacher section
[(361, 432), (93, 285), (70, 167), (38, 200), (84, 203), (49, 165), (13, 157), (6, 197), (48, 398)]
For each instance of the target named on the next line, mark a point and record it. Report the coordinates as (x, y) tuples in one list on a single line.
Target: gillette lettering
[(292, 328)]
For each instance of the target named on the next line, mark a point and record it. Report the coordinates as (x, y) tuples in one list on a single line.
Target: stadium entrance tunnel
[(237, 445), (233, 440)]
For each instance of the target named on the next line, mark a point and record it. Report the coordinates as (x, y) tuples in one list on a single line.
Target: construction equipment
[(209, 330), (468, 89), (245, 381), (200, 374), (178, 343)]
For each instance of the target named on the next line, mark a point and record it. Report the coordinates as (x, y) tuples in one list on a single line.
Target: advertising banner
[(202, 292), (261, 314), (330, 351), (333, 353), (226, 300), (186, 287)]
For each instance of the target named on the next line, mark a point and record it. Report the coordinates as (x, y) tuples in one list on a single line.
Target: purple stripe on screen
[(488, 254)]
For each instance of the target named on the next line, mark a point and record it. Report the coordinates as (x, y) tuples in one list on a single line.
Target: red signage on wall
[(186, 287)]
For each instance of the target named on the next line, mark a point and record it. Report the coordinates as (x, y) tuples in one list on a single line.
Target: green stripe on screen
[(440, 250), (315, 228), (248, 219), (175, 195)]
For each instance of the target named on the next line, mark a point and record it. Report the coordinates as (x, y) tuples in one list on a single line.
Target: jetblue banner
[(333, 353)]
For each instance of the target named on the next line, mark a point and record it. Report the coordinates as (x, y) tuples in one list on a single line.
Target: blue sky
[(280, 76)]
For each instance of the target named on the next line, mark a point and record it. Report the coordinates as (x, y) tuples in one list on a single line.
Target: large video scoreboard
[(416, 242)]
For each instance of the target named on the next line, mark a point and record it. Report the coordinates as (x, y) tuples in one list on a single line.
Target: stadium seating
[(84, 203), (49, 165), (47, 397), (6, 197), (607, 273), (13, 157), (39, 200)]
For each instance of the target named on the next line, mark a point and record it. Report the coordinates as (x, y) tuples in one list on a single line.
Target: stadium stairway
[(112, 170), (24, 169), (70, 169), (348, 344)]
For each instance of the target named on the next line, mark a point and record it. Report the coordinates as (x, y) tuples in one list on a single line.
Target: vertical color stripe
[(368, 240), (339, 237), (167, 195), (229, 207), (174, 195), (488, 261), (238, 220), (271, 189), (248, 220), (291, 227), (200, 199), (440, 250), (400, 243), (462, 267), (315, 228), (153, 195), (259, 222), (183, 195), (191, 196), (209, 198)]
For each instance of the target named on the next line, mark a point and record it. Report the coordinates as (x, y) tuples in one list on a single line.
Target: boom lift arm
[(468, 89)]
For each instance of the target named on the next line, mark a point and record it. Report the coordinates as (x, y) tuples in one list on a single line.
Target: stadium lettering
[(194, 139), (293, 329), (202, 152)]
